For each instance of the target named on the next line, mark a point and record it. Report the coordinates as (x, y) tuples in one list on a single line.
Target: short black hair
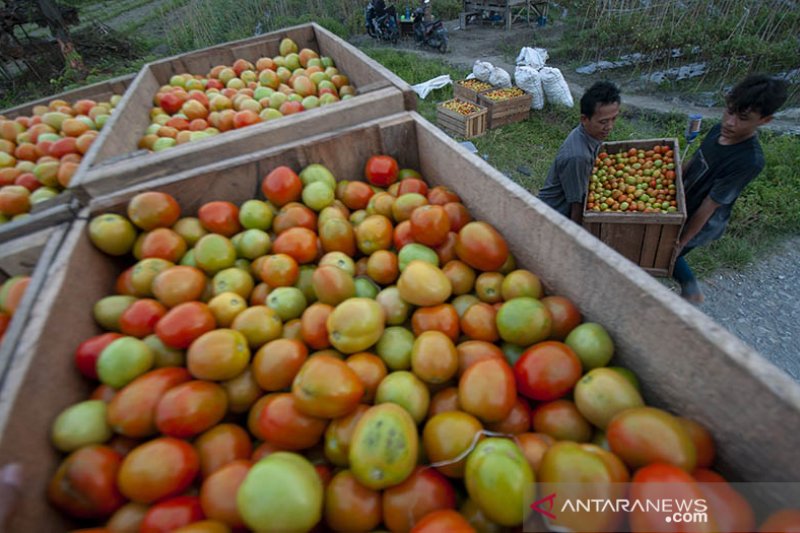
[(758, 92), (601, 93)]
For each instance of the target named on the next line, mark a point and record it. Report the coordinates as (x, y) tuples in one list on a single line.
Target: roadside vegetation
[(767, 212)]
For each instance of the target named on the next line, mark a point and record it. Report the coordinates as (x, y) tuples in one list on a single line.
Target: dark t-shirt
[(568, 178), (721, 172)]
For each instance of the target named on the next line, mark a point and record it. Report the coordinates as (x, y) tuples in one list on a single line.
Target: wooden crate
[(115, 161), (751, 407), (508, 111), (647, 239), (466, 126), (97, 91), (30, 255), (465, 93)]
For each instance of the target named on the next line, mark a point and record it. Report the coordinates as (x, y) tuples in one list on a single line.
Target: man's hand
[(10, 487)]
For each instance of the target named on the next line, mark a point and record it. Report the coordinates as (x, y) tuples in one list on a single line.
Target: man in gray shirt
[(568, 178)]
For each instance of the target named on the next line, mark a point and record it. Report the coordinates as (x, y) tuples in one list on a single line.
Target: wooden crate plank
[(624, 238), (650, 244), (665, 254)]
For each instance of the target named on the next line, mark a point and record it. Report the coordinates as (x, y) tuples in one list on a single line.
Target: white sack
[(482, 70), (532, 57), (424, 88), (500, 78), (529, 80), (555, 87)]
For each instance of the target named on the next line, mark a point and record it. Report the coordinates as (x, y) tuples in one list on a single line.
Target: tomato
[(282, 186), (178, 284), (355, 325), (402, 235), (218, 355), (190, 408), (473, 351), (521, 283), (729, 509), (112, 233), (221, 445), (88, 352), (162, 243), (144, 272), (523, 321), (276, 364), (282, 423), (442, 318), (602, 393), (326, 387), (447, 436), (218, 492), (644, 435), (458, 215), (282, 492), (332, 285), (412, 185), (259, 324), (661, 481), (278, 270), (434, 358), (443, 520), (517, 421), (406, 390), (132, 410), (782, 521), (478, 322), (299, 243), (477, 519), (480, 246), (592, 344), (565, 315), (294, 215), (151, 210), (313, 325), (423, 284), (141, 317), (547, 371), (499, 479), (242, 391), (213, 253), (172, 514), (488, 287), (381, 170), (339, 435), (424, 491), (350, 506), (374, 233), (184, 323), (128, 517), (440, 195), (382, 267), (534, 446), (370, 370), (702, 440), (461, 276), (84, 486), (404, 205), (356, 195), (486, 389), (430, 225), (561, 420), (338, 236)]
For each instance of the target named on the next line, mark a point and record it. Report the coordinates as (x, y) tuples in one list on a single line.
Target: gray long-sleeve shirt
[(568, 178)]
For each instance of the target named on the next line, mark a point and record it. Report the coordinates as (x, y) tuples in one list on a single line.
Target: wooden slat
[(39, 220), (624, 238), (750, 406), (650, 245), (666, 247)]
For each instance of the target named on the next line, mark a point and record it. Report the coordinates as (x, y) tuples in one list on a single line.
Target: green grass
[(765, 214)]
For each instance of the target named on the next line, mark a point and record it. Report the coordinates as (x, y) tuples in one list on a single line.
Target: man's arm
[(698, 220)]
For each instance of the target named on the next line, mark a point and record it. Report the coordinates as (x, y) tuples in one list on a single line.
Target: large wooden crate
[(115, 161), (97, 91), (687, 363), (466, 93), (32, 256), (647, 239), (466, 126), (62, 207), (508, 111)]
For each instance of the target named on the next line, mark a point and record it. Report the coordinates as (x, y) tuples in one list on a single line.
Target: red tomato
[(414, 185), (140, 318), (218, 493), (190, 408), (381, 170), (441, 195), (443, 520), (782, 521), (282, 186), (184, 323), (547, 371), (85, 484), (486, 390), (566, 316), (430, 225), (158, 469), (350, 506), (299, 243), (282, 423), (89, 351), (220, 217), (171, 514), (221, 445), (729, 509), (424, 491), (481, 246), (151, 210)]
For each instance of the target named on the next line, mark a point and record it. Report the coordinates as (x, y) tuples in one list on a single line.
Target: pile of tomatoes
[(634, 181), (346, 355), (11, 292)]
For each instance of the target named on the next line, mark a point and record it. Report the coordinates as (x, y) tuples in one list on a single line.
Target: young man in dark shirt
[(729, 158), (568, 178)]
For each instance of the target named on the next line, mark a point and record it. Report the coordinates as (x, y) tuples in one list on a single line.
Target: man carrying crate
[(729, 158), (568, 178)]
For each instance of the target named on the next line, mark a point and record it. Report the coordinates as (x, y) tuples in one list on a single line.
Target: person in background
[(567, 180), (728, 159)]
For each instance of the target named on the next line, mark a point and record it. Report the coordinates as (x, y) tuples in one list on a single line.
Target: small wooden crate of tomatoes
[(506, 105), (635, 202), (470, 89), (461, 118)]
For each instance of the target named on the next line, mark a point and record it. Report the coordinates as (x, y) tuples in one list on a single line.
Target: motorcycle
[(432, 34), (384, 27)]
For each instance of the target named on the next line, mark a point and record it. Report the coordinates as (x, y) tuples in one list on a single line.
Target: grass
[(766, 213)]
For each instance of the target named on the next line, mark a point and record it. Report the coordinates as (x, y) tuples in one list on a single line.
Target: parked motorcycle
[(432, 34), (384, 27)]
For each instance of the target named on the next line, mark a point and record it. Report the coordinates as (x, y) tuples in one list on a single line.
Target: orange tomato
[(339, 435), (370, 369), (533, 446), (487, 390), (151, 210), (478, 322), (277, 362), (140, 318), (179, 284), (282, 423), (158, 469), (442, 317), (441, 195), (474, 351), (481, 246), (424, 491), (430, 225), (729, 509), (184, 323), (561, 420), (444, 401), (350, 506), (434, 358), (190, 408), (443, 520), (313, 327), (518, 420), (278, 270), (566, 316), (294, 215), (326, 387), (382, 267), (222, 445), (299, 243), (220, 217), (447, 436), (282, 186)]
